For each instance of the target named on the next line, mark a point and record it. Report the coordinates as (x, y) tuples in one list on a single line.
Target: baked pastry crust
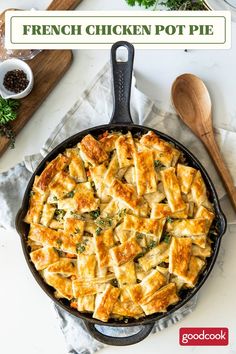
[(181, 261), (163, 151), (172, 189), (161, 299), (148, 286), (185, 175), (125, 252), (92, 150), (125, 150), (119, 224), (160, 210), (50, 171), (106, 303), (44, 256), (189, 227), (145, 226), (145, 172)]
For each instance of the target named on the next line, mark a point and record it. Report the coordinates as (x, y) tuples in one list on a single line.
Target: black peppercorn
[(15, 81)]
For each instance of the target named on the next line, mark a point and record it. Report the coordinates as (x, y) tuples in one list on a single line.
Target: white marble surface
[(28, 323)]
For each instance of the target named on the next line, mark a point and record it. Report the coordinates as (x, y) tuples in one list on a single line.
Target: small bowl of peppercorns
[(16, 79)]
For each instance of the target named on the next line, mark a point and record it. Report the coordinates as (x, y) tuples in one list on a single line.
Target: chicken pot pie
[(119, 225)]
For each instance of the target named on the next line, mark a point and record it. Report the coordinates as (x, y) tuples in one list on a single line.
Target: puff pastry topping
[(119, 225)]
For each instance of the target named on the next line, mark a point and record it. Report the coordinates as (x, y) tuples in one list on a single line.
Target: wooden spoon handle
[(213, 149), (63, 4)]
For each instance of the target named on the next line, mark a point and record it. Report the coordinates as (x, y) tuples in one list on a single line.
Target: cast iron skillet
[(121, 121)]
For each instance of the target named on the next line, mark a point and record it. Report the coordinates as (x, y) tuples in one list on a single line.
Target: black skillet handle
[(18, 221), (119, 341), (122, 77)]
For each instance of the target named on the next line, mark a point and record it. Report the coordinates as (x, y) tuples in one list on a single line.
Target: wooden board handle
[(63, 4), (213, 149)]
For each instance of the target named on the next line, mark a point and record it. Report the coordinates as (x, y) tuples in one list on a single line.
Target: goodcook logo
[(204, 336)]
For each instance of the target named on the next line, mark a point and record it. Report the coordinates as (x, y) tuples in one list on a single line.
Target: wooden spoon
[(192, 103)]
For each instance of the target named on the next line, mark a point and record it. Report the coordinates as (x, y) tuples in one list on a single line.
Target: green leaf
[(8, 110), (80, 248), (166, 238), (122, 213), (152, 244), (70, 194), (184, 5), (98, 231), (104, 222), (169, 219), (144, 3), (139, 236), (170, 4), (8, 113), (95, 214), (59, 214)]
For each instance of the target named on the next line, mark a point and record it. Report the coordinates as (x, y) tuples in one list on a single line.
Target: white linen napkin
[(94, 107)]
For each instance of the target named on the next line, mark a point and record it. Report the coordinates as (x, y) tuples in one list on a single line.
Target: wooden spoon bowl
[(192, 103)]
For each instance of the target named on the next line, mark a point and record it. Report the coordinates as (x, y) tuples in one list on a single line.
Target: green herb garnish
[(98, 231), (70, 194), (184, 5), (166, 238), (122, 213), (139, 236), (80, 248), (59, 214), (8, 112), (77, 230), (32, 193), (169, 219), (95, 214), (104, 222), (170, 4), (141, 254), (152, 244), (144, 3), (54, 198), (7, 132)]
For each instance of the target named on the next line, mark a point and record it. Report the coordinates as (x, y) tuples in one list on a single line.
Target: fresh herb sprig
[(7, 132), (183, 5), (144, 3), (8, 112), (170, 4)]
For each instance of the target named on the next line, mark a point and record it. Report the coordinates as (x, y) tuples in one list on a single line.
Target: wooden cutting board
[(48, 68)]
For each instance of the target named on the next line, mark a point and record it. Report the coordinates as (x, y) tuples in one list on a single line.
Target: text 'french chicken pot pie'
[(119, 224)]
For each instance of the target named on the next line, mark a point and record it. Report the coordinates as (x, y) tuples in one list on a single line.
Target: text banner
[(149, 29)]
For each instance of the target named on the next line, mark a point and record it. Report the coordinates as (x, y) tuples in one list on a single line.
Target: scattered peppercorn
[(15, 81)]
